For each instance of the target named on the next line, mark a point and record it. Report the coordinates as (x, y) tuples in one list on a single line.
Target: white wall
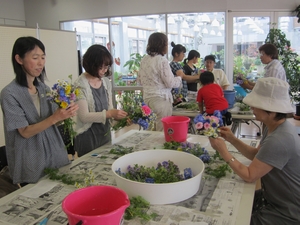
[(48, 13), (12, 12)]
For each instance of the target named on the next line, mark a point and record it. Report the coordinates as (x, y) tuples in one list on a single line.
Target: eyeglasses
[(105, 67), (261, 54)]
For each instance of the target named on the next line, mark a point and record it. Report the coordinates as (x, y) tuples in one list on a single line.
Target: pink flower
[(72, 96), (199, 125), (214, 119), (146, 110), (206, 126)]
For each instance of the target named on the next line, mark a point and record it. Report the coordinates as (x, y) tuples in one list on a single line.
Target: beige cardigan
[(86, 115)]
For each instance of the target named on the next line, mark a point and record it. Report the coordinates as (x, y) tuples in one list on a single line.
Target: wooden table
[(223, 201)]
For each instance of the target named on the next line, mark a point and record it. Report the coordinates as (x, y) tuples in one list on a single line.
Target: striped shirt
[(275, 69)]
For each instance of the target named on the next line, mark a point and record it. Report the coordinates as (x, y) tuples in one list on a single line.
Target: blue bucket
[(230, 97), (239, 90)]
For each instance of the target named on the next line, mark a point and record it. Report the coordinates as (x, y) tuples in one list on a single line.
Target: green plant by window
[(134, 63)]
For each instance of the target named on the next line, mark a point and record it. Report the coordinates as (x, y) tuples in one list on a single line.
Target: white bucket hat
[(270, 94)]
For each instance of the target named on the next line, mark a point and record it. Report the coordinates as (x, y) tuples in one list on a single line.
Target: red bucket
[(96, 205), (176, 128)]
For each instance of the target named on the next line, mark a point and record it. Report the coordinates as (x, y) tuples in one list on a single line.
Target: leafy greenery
[(138, 208), (214, 165), (165, 172), (188, 105), (289, 59), (54, 174), (120, 150), (218, 172), (134, 62)]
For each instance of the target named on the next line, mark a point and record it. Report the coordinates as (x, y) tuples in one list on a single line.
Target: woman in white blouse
[(157, 79)]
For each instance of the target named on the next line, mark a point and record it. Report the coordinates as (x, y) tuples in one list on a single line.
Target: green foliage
[(297, 13), (53, 174), (216, 167), (129, 102), (188, 105), (289, 59), (166, 172), (120, 150), (218, 172), (138, 208), (134, 62)]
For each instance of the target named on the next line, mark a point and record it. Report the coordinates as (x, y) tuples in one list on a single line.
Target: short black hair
[(21, 46), (270, 50), (210, 57), (94, 58), (177, 48), (207, 78)]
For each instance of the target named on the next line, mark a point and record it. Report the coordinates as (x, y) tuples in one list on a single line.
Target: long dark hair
[(94, 58), (192, 54), (21, 47)]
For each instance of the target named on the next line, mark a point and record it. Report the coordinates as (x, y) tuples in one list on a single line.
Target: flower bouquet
[(208, 125), (63, 94), (241, 80), (138, 112)]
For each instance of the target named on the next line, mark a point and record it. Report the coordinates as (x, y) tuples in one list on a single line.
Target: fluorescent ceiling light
[(184, 24), (171, 20), (196, 28), (215, 23), (212, 32)]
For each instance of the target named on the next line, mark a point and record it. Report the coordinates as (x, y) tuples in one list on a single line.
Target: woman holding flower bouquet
[(32, 139), (95, 103), (275, 161)]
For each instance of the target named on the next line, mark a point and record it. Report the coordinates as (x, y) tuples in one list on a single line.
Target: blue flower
[(199, 119), (149, 180), (187, 173), (205, 158)]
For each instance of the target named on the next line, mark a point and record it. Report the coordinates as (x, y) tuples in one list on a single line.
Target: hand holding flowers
[(138, 112), (208, 125), (241, 80), (64, 95)]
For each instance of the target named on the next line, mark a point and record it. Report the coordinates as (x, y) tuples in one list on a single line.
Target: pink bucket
[(96, 205), (176, 128)]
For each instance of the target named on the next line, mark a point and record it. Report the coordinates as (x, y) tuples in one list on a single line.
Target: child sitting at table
[(211, 95)]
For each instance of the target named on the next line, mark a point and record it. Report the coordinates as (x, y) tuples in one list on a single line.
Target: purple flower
[(187, 173), (205, 158)]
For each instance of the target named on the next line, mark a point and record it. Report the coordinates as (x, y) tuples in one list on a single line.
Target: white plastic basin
[(160, 193)]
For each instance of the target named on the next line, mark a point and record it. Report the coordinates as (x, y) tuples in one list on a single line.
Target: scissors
[(45, 220)]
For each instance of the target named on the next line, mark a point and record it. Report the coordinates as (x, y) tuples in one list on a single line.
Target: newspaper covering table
[(223, 201)]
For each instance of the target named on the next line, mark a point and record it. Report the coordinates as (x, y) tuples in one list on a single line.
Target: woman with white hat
[(276, 160)]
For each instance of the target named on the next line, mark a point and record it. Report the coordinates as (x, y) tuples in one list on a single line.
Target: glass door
[(247, 31)]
